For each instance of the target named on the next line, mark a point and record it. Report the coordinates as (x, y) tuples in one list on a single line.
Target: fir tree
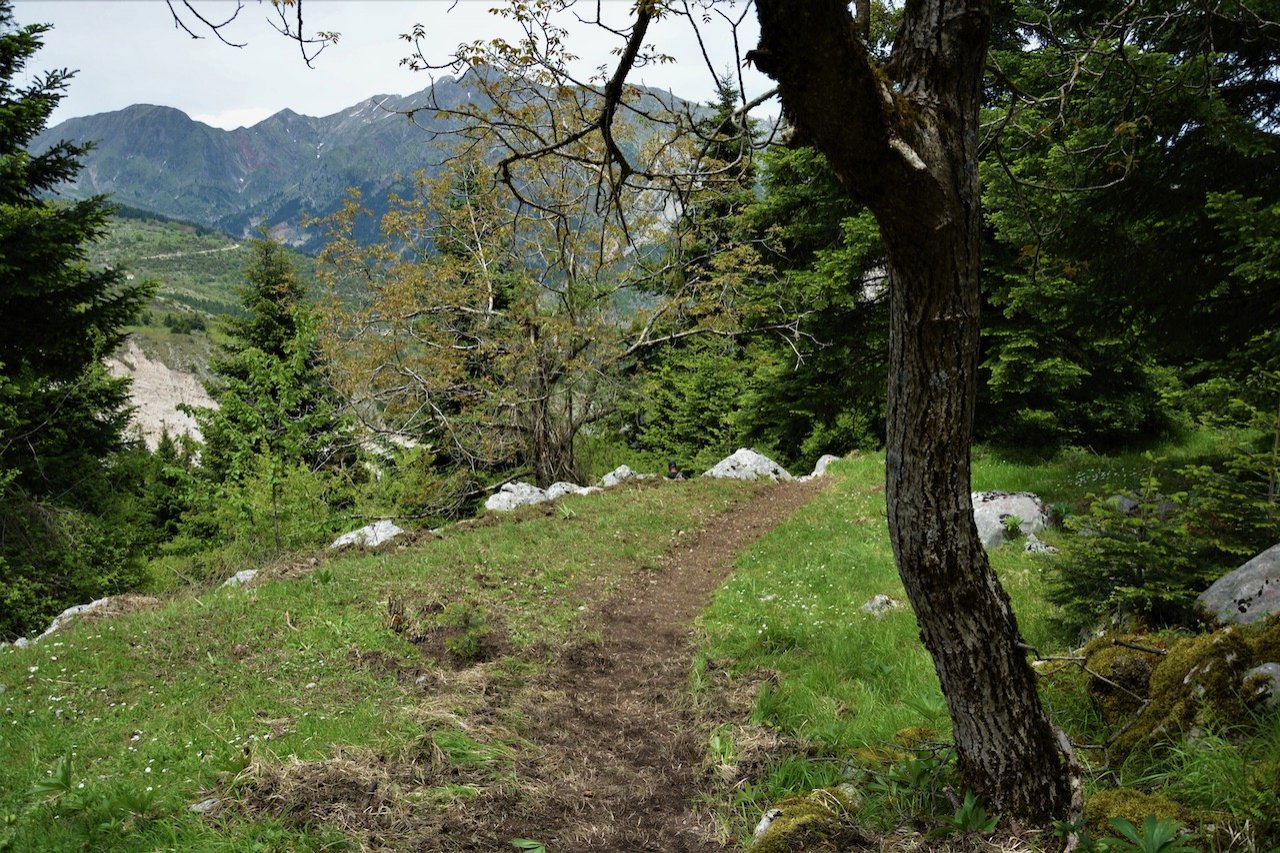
[(61, 414)]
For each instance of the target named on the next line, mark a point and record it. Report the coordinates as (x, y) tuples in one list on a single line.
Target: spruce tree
[(271, 392), (61, 414)]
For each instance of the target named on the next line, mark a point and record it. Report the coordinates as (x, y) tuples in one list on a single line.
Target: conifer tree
[(61, 414), (271, 392)]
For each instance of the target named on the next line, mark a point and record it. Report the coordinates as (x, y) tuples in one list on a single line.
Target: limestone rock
[(513, 496), (370, 536), (618, 475), (991, 509), (824, 461), (747, 464), (558, 490), (1248, 594), (1035, 546), (109, 606), (241, 578)]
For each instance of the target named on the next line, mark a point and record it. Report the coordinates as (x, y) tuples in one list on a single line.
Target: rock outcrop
[(1248, 594), (370, 536), (747, 464), (993, 510)]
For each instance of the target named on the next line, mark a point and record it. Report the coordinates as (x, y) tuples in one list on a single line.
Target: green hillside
[(391, 699), (197, 271)]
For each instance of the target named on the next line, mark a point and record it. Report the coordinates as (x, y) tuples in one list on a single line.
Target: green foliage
[(970, 816), (1145, 555), (690, 400), (528, 845), (272, 396), (61, 414), (1157, 835), (468, 632), (1127, 194), (273, 507)]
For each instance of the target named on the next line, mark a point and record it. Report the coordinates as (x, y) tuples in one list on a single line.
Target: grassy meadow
[(418, 655)]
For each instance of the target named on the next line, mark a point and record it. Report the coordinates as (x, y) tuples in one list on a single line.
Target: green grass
[(231, 684), (182, 698)]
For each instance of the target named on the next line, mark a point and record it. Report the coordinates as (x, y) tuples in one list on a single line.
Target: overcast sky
[(129, 52)]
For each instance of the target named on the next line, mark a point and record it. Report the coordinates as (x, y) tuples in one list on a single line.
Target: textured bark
[(902, 138)]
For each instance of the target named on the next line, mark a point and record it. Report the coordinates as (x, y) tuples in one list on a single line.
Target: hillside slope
[(401, 699)]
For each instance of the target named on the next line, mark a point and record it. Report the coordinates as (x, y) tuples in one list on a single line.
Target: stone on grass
[(1248, 594), (513, 496), (878, 605), (1035, 546), (208, 806), (558, 490), (618, 475), (992, 510), (241, 578), (370, 536), (109, 606), (820, 468), (747, 464)]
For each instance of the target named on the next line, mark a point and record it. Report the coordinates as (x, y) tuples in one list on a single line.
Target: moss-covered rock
[(916, 737), (1128, 803), (1264, 640), (820, 820), (1122, 675), (1197, 684)]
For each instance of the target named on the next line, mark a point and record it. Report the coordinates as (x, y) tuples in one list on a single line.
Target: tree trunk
[(902, 138)]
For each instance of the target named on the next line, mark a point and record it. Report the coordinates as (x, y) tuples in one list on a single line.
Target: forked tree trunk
[(902, 138)]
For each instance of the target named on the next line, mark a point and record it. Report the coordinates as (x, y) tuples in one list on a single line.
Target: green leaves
[(1157, 835), (57, 784)]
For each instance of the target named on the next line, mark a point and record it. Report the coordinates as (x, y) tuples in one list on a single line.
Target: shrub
[(1141, 558)]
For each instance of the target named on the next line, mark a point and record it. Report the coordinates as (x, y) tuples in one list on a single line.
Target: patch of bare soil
[(618, 758)]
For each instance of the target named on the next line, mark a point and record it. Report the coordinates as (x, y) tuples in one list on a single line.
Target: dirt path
[(619, 751)]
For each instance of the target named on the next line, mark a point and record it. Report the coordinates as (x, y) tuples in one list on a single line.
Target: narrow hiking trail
[(617, 748)]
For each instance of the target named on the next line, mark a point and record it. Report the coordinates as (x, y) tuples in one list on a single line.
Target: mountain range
[(270, 175)]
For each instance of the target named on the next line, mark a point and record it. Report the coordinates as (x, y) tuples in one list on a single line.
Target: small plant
[(1157, 835), (1085, 842), (1012, 526), (970, 817), (471, 629), (566, 512), (58, 784), (529, 845), (910, 789)]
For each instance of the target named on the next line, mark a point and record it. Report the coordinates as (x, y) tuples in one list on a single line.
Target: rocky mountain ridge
[(273, 173)]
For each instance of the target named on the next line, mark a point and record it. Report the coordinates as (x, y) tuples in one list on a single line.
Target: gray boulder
[(747, 464), (618, 475), (820, 469), (558, 490), (370, 536), (241, 578), (1248, 594), (1035, 546), (878, 605), (515, 495), (992, 509)]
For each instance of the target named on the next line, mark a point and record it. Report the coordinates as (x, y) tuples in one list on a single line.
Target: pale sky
[(129, 52)]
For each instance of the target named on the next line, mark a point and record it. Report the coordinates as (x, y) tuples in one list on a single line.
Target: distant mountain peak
[(273, 173)]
